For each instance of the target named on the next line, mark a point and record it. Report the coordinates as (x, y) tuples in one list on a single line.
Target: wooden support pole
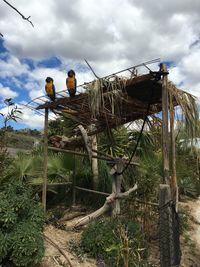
[(174, 187), (116, 188), (94, 162), (74, 184), (44, 189), (165, 131)]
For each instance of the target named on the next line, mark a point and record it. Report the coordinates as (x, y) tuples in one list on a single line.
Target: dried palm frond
[(104, 96), (188, 105)]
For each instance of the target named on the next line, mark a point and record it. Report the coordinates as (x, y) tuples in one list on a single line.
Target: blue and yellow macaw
[(50, 88), (71, 83)]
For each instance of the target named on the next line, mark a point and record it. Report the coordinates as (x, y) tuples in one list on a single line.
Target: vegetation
[(21, 224), (116, 241)]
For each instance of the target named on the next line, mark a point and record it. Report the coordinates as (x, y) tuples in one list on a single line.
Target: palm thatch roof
[(109, 103)]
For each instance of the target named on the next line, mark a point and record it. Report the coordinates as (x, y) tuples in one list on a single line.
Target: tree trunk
[(94, 161)]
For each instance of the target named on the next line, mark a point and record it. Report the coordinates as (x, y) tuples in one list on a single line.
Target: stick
[(58, 248), (28, 18)]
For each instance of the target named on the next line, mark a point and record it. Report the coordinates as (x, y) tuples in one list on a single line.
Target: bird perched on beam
[(50, 88), (71, 83)]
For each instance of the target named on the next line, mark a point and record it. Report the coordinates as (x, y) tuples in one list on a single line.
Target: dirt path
[(191, 243), (196, 214), (53, 258)]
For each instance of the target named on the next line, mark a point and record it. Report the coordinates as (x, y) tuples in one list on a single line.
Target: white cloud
[(112, 35), (6, 92)]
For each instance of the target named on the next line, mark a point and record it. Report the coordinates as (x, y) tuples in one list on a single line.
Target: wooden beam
[(44, 189), (80, 154), (92, 191), (165, 131)]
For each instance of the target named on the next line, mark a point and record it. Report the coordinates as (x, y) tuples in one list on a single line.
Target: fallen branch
[(69, 217), (28, 18), (58, 248), (107, 205)]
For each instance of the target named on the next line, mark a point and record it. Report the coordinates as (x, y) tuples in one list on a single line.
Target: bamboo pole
[(165, 131), (109, 159), (44, 189), (80, 154)]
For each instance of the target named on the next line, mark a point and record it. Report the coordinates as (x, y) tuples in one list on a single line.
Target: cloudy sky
[(111, 34)]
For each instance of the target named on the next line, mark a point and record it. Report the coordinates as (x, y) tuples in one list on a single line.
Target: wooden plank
[(44, 188)]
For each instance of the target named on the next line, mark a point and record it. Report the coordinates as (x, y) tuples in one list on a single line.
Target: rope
[(138, 140)]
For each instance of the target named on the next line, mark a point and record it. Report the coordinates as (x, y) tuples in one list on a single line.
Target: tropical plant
[(105, 239), (21, 225)]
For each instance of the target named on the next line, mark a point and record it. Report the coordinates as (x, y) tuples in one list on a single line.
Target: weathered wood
[(58, 248), (70, 216), (174, 187), (74, 184), (81, 154), (86, 139), (165, 131), (116, 188), (44, 189), (92, 191), (94, 162), (110, 200)]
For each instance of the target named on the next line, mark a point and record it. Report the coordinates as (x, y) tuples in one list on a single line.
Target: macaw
[(71, 83), (50, 88)]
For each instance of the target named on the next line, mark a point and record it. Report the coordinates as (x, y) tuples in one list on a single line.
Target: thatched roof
[(111, 103)]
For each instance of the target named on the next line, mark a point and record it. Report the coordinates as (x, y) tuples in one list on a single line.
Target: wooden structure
[(139, 97)]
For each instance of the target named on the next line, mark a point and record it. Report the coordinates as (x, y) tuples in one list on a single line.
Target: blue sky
[(112, 36)]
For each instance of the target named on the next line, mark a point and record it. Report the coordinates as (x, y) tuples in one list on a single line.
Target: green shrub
[(21, 224), (104, 239)]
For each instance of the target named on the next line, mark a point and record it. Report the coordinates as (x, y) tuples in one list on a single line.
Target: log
[(68, 217), (107, 205)]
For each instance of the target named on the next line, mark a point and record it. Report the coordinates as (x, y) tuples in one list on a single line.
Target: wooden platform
[(132, 105)]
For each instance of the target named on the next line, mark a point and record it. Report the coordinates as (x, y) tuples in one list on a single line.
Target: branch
[(59, 249), (28, 18), (127, 193), (1, 34), (108, 203)]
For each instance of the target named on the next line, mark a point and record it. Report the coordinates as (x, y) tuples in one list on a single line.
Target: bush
[(21, 224), (106, 239)]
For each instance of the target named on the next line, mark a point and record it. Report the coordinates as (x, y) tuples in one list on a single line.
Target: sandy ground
[(53, 258), (191, 245)]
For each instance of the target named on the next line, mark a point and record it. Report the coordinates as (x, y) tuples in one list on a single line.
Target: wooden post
[(74, 184), (94, 162), (116, 188), (44, 189), (165, 132), (174, 188)]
